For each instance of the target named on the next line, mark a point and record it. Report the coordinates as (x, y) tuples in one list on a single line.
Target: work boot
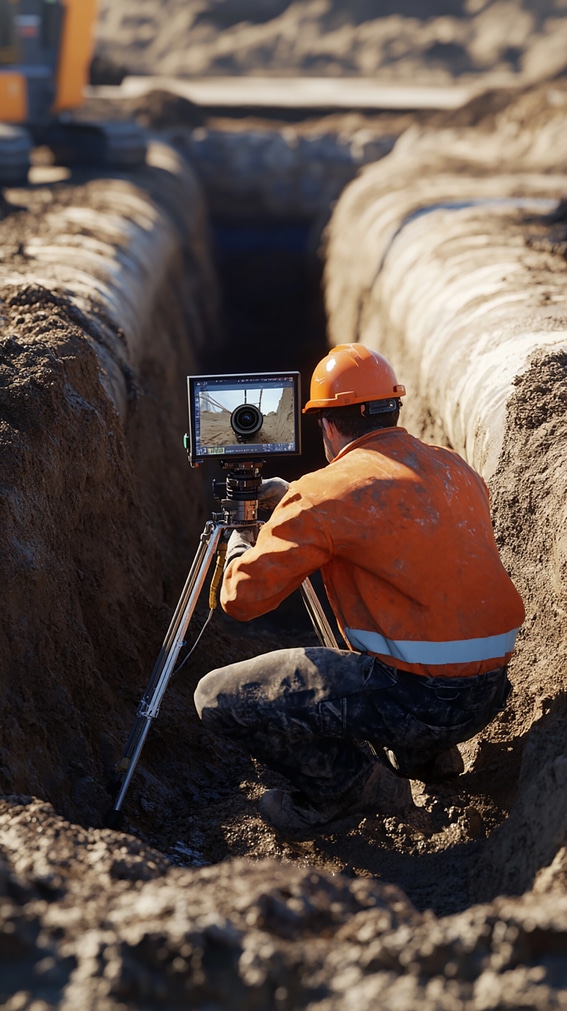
[(446, 765), (295, 816)]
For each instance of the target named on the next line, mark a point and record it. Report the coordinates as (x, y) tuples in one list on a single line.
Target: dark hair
[(351, 423)]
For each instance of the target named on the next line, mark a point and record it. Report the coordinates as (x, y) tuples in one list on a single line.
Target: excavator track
[(15, 154), (120, 144)]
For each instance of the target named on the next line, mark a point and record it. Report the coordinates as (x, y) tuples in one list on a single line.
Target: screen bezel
[(242, 451)]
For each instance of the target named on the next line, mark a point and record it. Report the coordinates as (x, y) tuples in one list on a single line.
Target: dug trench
[(113, 291)]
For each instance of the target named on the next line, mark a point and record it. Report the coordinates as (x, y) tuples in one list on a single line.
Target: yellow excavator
[(45, 55)]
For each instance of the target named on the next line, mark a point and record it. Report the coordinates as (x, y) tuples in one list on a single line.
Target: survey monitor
[(248, 416)]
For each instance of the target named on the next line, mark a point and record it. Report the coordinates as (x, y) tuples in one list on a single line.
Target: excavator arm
[(75, 51)]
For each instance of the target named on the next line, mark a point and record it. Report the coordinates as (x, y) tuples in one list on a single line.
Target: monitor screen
[(244, 416)]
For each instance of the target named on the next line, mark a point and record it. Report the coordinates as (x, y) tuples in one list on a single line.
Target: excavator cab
[(45, 53)]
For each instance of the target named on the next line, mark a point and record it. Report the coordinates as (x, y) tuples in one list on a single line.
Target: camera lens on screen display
[(246, 420)]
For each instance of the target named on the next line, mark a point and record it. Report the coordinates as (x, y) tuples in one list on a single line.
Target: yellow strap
[(217, 576)]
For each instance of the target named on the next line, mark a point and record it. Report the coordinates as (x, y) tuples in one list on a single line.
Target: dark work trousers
[(306, 712)]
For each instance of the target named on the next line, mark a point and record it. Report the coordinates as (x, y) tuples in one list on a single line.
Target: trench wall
[(107, 300), (446, 261)]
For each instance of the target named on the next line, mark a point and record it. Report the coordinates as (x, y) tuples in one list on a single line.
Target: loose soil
[(197, 903)]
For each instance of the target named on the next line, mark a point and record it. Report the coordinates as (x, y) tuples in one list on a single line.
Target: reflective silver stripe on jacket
[(431, 653)]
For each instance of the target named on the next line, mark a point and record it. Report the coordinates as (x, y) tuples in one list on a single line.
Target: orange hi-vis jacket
[(402, 534)]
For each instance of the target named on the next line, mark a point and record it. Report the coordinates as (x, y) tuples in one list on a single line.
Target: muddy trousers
[(307, 713)]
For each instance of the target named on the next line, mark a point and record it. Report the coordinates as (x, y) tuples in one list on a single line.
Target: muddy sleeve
[(290, 546)]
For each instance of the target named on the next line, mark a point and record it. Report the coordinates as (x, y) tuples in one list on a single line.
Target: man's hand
[(239, 542), (271, 492)]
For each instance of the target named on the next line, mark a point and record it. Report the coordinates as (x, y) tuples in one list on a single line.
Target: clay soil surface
[(197, 903)]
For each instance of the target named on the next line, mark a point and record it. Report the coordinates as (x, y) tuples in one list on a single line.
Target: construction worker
[(402, 534)]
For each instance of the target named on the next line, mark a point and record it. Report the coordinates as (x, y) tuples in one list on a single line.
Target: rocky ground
[(196, 903)]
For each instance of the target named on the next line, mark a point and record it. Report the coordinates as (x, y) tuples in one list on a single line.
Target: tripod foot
[(114, 819)]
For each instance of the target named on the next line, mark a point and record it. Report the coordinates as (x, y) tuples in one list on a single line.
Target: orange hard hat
[(352, 374)]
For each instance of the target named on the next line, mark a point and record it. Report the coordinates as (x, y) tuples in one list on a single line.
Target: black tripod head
[(238, 493)]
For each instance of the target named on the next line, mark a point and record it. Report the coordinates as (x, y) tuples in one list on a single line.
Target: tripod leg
[(127, 766), (165, 664), (318, 617), (197, 573)]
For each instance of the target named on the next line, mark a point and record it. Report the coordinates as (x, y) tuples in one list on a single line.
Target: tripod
[(240, 509)]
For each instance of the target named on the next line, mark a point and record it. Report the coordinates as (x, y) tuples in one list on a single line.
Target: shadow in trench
[(533, 834), (274, 320), (274, 317)]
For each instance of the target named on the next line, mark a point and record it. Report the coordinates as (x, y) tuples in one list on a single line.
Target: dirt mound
[(430, 42), (95, 919)]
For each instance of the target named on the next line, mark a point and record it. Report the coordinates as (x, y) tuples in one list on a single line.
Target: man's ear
[(328, 427)]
